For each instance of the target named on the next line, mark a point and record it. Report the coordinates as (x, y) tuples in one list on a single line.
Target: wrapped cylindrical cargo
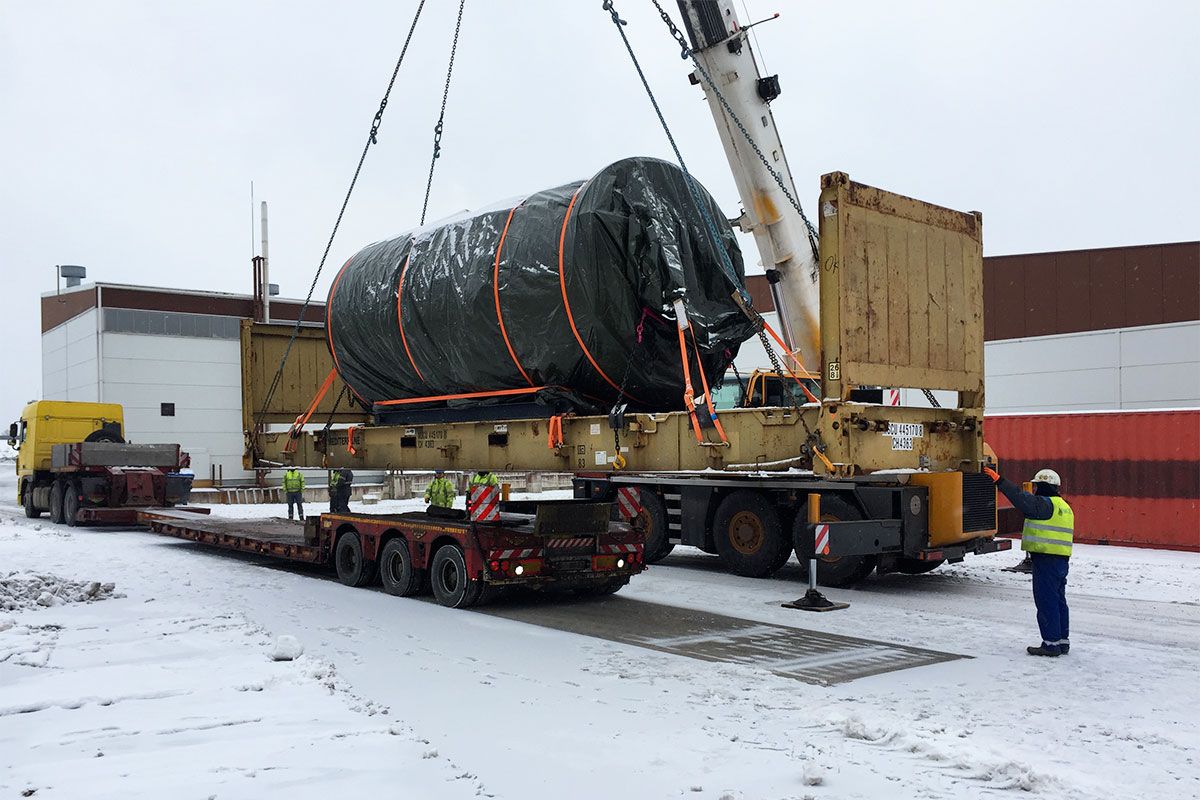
[(565, 293)]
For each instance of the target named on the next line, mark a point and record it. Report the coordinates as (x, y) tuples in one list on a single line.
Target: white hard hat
[(1047, 476)]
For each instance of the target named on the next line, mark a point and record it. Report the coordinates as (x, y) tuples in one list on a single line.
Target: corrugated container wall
[(1132, 478)]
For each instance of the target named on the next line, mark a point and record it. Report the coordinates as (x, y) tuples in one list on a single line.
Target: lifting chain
[(372, 138), (686, 52), (726, 262), (438, 128)]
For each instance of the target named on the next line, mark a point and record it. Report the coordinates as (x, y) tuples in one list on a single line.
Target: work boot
[(302, 518), (1025, 566), (1064, 648), (1044, 650)]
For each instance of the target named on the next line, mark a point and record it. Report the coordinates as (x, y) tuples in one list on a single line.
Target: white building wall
[(1156, 366), (69, 360), (200, 376)]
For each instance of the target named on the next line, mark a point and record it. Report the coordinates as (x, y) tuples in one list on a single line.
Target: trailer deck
[(277, 537)]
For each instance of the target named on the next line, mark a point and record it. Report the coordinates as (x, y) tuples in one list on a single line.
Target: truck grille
[(978, 502)]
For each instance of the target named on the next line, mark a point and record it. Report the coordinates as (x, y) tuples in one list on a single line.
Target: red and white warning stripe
[(822, 540), (483, 503), (893, 397), (563, 543), (528, 552), (620, 548), (629, 502)]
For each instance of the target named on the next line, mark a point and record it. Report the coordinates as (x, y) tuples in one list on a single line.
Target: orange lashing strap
[(812, 398), (466, 396), (350, 448), (496, 295), (689, 395), (712, 411), (400, 316), (302, 420), (555, 438)]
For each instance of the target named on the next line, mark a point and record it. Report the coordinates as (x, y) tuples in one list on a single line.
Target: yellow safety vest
[(1052, 536)]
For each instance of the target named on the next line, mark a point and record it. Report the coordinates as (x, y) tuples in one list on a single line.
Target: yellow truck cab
[(45, 423)]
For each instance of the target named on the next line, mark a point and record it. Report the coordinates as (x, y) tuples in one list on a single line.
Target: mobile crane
[(888, 292)]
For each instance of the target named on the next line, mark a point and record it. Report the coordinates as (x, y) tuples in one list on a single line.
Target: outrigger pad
[(815, 601)]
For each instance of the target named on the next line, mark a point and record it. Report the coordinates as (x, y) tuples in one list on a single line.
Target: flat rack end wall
[(901, 292), (263, 346)]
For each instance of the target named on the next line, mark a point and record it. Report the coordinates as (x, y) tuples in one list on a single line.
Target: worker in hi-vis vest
[(484, 477), (1047, 536), (293, 487), (440, 491)]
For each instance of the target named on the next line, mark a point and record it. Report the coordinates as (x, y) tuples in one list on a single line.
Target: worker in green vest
[(340, 482), (483, 477), (1047, 536), (440, 491), (293, 487)]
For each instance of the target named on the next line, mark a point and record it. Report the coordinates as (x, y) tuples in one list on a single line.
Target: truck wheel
[(56, 503), (835, 571), (31, 511), (915, 566), (452, 586), (749, 535), (70, 503), (653, 521), (352, 568), (396, 569)]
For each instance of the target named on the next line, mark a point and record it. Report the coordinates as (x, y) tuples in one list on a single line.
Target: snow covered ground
[(166, 685)]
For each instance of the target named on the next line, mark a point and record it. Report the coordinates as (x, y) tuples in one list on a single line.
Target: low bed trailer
[(567, 545)]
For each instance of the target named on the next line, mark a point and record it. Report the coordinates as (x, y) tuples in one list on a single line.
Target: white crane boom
[(721, 46)]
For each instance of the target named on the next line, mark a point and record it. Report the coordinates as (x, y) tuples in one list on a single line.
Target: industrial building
[(1106, 329)]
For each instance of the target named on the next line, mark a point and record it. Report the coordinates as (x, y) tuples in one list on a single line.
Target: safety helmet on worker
[(1047, 476)]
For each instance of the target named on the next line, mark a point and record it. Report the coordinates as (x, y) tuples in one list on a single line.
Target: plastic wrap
[(567, 292)]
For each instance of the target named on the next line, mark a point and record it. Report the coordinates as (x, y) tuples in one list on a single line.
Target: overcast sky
[(130, 131)]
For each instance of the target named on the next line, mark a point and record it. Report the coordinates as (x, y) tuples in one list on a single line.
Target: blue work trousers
[(1050, 597)]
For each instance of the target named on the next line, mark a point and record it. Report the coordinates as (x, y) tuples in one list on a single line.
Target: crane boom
[(721, 46)]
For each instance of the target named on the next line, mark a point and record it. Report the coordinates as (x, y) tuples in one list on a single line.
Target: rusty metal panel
[(1181, 282), (901, 291), (263, 346), (1131, 477)]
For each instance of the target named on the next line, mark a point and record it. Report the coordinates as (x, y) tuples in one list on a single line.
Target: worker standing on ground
[(1047, 536), (341, 481), (440, 491), (293, 487)]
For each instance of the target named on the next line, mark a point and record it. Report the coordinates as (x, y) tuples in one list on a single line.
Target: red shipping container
[(1132, 477)]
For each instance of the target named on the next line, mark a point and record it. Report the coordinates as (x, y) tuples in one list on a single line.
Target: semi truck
[(73, 462), (883, 291)]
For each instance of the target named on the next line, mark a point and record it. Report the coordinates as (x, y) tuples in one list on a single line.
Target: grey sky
[(131, 130)]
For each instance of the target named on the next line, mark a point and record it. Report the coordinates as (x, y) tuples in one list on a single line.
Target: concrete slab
[(805, 655)]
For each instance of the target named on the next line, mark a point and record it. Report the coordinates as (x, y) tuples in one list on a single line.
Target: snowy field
[(165, 684)]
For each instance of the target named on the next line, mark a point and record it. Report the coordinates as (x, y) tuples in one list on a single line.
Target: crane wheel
[(749, 535), (396, 570), (653, 523), (352, 568), (452, 584)]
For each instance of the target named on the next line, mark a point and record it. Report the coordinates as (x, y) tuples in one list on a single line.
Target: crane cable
[(437, 129), (371, 139)]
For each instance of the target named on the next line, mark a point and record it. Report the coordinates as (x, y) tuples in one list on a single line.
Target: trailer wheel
[(749, 535), (835, 571), (352, 568), (610, 586), (452, 585), (396, 569), (70, 503), (56, 503), (31, 511), (653, 522), (915, 566)]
